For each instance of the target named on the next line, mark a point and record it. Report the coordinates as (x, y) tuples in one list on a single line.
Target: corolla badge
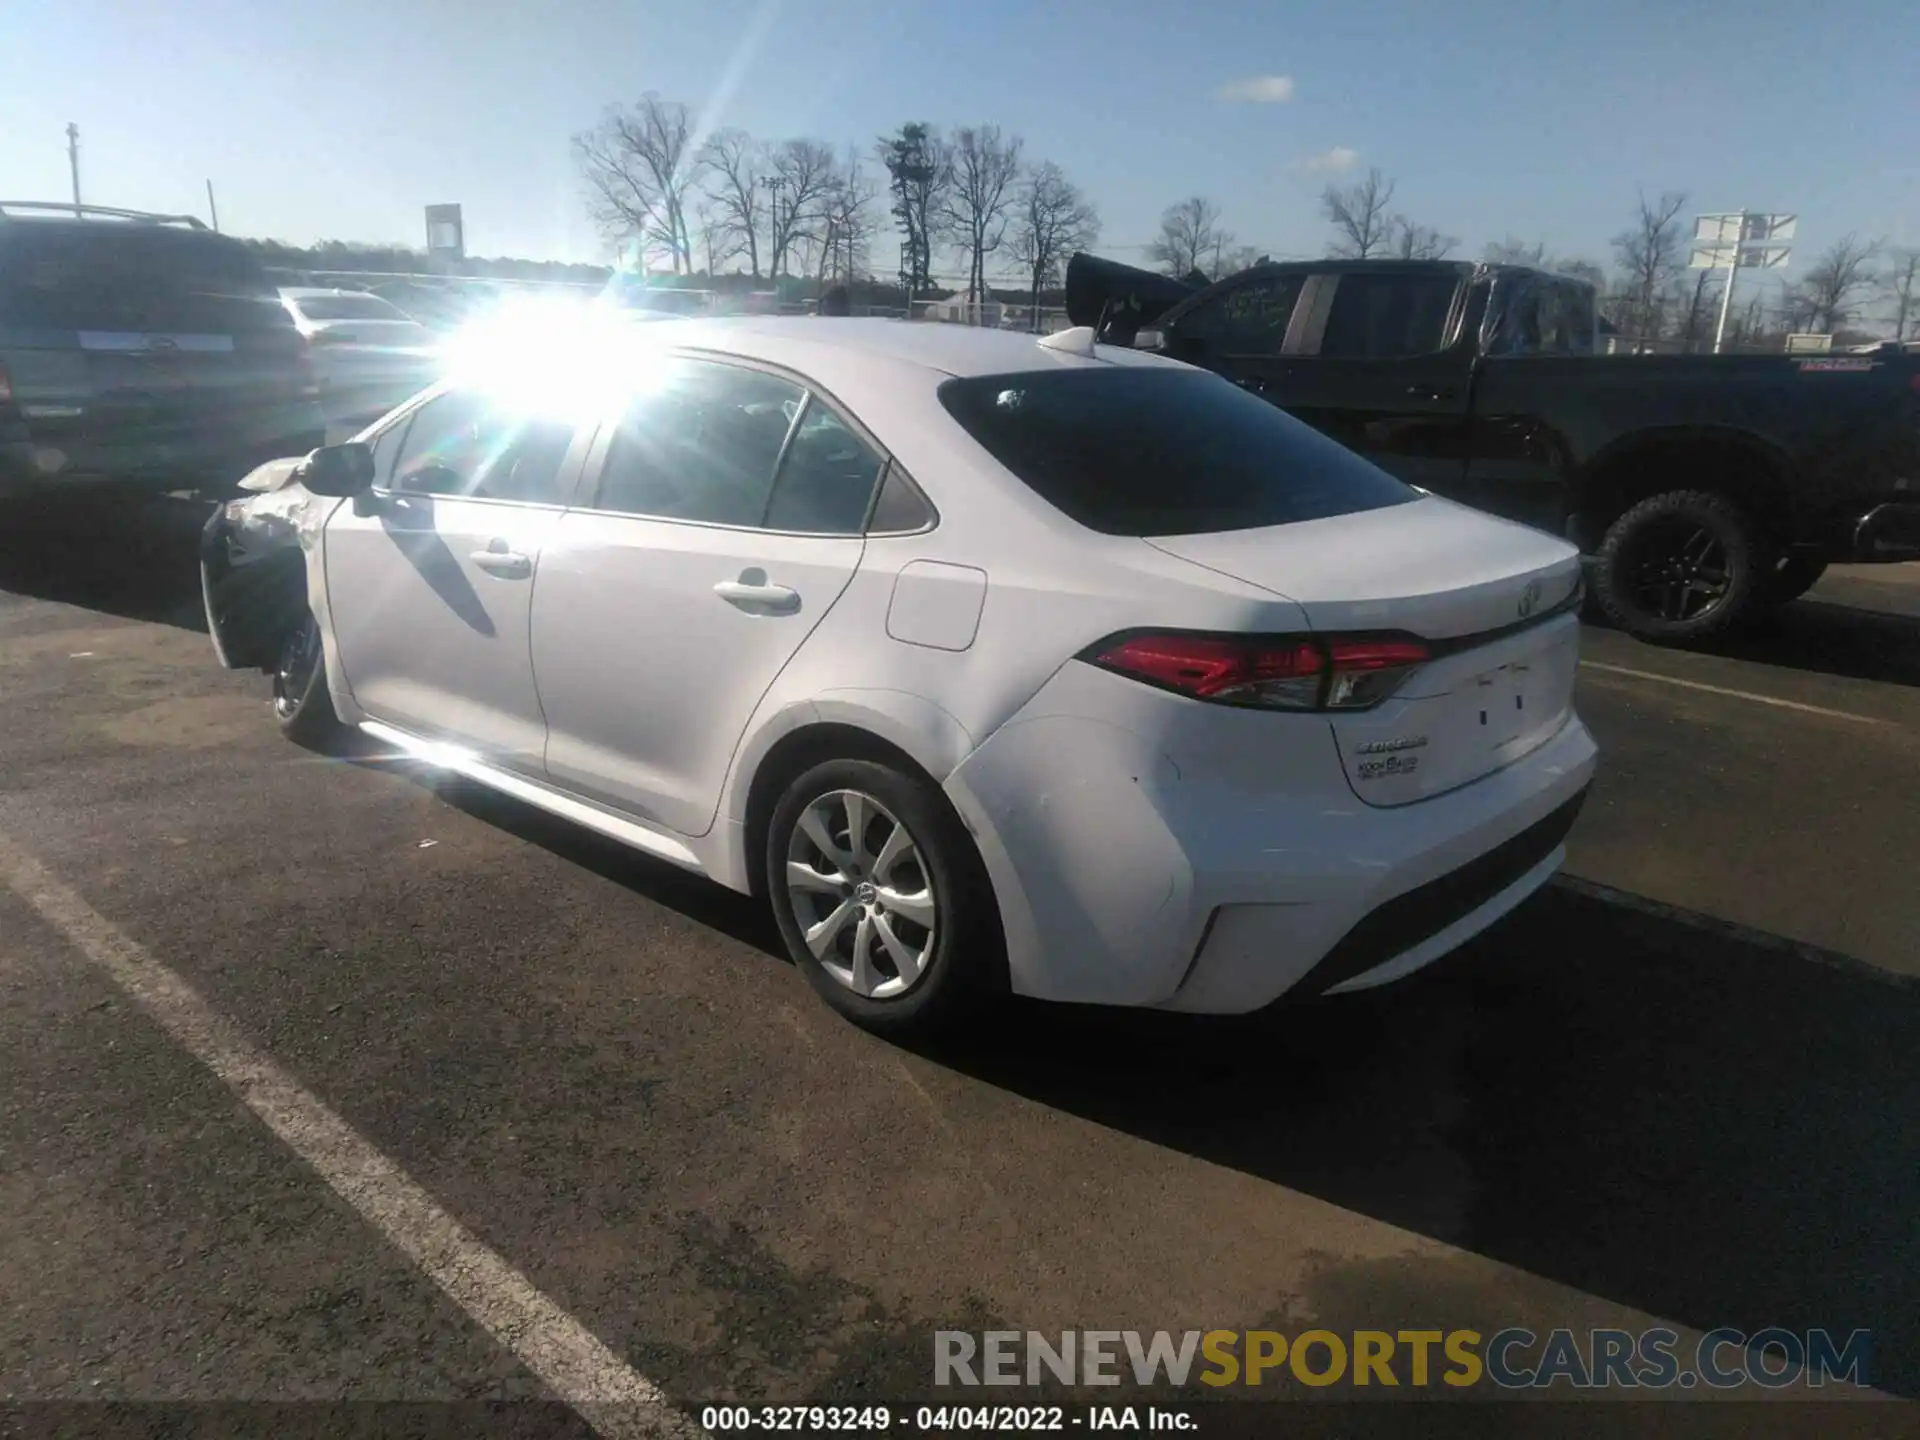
[(1530, 599)]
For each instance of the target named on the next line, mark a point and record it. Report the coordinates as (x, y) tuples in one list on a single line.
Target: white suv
[(992, 663)]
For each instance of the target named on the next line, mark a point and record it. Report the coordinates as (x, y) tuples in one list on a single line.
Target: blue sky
[(1539, 118)]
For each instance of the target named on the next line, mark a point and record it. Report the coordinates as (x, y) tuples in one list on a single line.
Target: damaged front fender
[(253, 565)]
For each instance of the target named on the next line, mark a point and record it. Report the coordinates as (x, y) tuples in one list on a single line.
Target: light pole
[(73, 163), (774, 184)]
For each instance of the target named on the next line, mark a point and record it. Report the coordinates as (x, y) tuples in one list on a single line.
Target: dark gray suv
[(143, 352)]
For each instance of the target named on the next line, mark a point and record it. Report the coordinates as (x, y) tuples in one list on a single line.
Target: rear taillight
[(1288, 672)]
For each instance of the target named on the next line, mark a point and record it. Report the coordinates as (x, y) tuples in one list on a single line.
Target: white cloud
[(1257, 90), (1338, 158)]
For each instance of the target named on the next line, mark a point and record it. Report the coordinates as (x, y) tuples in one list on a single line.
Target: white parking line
[(615, 1399), (1735, 694)]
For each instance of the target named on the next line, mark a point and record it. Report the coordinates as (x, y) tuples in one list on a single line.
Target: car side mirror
[(339, 469)]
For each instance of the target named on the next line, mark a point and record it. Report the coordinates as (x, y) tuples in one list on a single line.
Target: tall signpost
[(1741, 240), (446, 239)]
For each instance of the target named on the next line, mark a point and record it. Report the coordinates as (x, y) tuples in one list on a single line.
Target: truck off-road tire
[(302, 705), (1681, 567), (882, 899), (1793, 576)]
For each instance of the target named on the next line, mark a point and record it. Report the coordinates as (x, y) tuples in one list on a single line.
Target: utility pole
[(1726, 300), (73, 163), (773, 184), (213, 210)]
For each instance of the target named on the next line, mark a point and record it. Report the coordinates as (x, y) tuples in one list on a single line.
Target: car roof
[(947, 349)]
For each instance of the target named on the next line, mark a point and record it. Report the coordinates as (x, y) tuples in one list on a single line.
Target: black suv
[(142, 352)]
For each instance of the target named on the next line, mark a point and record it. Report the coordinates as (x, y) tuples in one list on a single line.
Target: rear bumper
[(1889, 532), (1131, 872)]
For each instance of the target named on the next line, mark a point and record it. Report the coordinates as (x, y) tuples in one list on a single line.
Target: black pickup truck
[(1705, 489)]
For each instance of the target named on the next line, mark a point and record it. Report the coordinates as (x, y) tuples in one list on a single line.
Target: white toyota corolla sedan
[(991, 663)]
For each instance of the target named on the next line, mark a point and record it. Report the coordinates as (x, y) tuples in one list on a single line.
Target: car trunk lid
[(1493, 601)]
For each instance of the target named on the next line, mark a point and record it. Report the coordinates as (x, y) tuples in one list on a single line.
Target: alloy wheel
[(1679, 571), (293, 674), (861, 894)]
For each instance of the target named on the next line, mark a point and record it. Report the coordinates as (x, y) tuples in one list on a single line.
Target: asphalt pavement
[(1678, 1087)]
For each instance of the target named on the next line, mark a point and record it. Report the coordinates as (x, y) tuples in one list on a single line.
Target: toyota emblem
[(1530, 599)]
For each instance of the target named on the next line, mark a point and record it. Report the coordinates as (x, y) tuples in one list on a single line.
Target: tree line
[(672, 198), (395, 259)]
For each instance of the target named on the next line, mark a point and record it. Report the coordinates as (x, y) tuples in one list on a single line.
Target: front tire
[(882, 899), (302, 705), (1682, 567)]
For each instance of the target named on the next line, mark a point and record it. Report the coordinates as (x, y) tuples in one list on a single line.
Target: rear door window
[(826, 479), (121, 278), (1151, 450), (1388, 316)]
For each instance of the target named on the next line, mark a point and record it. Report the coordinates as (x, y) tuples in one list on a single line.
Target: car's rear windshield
[(118, 277), (347, 307), (1140, 450)]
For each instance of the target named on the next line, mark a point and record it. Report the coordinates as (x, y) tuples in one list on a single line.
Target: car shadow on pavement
[(140, 561), (1710, 1125), (1711, 1129), (693, 896)]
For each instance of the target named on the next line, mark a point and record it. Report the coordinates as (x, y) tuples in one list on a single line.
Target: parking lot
[(1679, 1086)]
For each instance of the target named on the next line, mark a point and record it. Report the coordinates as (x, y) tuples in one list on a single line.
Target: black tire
[(964, 966), (1793, 576), (302, 705), (1681, 567)]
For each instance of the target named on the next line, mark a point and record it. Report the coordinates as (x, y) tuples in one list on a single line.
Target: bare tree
[(719, 241), (802, 181), (1241, 257), (640, 171), (737, 163), (1833, 287), (1701, 310), (1898, 283), (1649, 255), (1362, 224), (1190, 238), (850, 222), (919, 165), (1420, 242), (1051, 220), (1514, 251), (985, 166)]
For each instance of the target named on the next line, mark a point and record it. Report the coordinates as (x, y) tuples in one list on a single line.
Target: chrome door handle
[(759, 597), (507, 564)]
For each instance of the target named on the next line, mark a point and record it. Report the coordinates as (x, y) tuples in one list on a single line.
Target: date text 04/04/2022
[(942, 1419)]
